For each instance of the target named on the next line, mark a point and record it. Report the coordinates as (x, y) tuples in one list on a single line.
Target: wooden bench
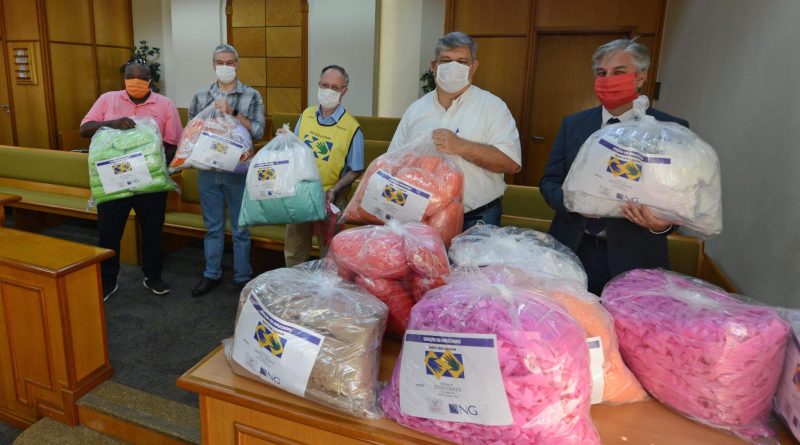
[(53, 185)]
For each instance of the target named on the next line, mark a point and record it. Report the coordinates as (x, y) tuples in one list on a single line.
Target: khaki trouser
[(297, 243)]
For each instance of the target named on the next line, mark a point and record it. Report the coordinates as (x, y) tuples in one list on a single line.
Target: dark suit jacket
[(629, 246)]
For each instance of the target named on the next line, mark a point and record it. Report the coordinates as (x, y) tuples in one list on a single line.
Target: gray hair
[(340, 70), (225, 48), (454, 40), (640, 55)]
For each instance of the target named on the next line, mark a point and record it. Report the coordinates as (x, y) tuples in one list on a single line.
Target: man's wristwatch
[(235, 112)]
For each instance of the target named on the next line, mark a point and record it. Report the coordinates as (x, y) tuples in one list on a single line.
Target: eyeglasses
[(228, 63), (336, 88), (136, 62)]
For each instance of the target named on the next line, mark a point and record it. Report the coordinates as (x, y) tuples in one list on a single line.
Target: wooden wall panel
[(6, 124), (73, 83), (285, 41), (284, 13), (250, 42), (283, 100), (112, 22), (109, 60), (30, 108), (644, 14), (476, 17), (253, 71), (501, 69), (69, 21), (20, 19), (284, 72), (248, 13)]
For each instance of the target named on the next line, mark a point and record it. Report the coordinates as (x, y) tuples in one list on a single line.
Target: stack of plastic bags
[(283, 184), (124, 163), (397, 263), (306, 331), (489, 363), (663, 165), (698, 350), (213, 140), (414, 184), (484, 245)]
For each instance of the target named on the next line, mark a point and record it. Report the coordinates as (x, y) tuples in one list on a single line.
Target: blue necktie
[(596, 225)]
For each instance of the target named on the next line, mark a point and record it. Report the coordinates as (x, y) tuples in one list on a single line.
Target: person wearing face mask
[(607, 246), (220, 189), (472, 124), (115, 109), (337, 141)]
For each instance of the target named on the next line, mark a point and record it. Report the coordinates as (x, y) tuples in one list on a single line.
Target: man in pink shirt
[(115, 109)]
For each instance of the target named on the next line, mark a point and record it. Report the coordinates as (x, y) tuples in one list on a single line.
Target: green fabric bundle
[(307, 204), (109, 144)]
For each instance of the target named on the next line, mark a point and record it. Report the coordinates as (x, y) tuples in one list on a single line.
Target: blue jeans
[(489, 214), (216, 191)]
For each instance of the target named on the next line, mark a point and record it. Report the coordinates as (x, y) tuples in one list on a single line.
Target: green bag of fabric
[(124, 163)]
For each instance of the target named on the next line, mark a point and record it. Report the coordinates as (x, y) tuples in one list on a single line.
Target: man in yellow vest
[(337, 141)]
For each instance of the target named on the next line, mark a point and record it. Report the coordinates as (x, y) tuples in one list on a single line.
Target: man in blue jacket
[(607, 247)]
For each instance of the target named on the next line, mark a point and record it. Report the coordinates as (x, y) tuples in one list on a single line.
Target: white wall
[(342, 32), (148, 25), (730, 67)]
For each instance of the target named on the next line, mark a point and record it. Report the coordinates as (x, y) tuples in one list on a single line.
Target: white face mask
[(225, 73), (452, 76), (328, 98)]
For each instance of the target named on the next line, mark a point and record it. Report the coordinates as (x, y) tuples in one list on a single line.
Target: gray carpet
[(154, 339)]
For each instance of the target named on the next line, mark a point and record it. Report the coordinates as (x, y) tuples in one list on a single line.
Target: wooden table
[(237, 410), (53, 346), (6, 199)]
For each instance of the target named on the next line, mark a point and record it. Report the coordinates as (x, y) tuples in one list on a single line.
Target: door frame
[(6, 74)]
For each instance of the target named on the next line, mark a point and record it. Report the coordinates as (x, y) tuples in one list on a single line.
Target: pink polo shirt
[(117, 104)]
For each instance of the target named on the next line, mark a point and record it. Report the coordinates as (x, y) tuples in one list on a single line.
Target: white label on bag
[(454, 377), (270, 180), (123, 172), (215, 151), (277, 351), (390, 198), (596, 364)]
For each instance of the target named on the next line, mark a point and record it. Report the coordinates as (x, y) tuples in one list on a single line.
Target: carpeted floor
[(154, 339)]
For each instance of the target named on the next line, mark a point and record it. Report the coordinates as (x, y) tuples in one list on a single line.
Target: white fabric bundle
[(663, 165)]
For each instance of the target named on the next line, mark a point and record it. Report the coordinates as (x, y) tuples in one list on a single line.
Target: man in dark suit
[(607, 246)]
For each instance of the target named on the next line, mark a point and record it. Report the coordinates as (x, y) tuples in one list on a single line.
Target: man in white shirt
[(472, 124)]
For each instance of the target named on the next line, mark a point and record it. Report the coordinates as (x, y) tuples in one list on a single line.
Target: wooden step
[(138, 417), (52, 432)]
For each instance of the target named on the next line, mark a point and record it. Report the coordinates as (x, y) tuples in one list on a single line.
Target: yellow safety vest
[(330, 143)]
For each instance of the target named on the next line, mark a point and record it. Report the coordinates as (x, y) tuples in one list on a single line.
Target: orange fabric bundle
[(415, 184)]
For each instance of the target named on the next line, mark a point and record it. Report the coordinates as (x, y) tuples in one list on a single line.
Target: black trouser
[(111, 219), (593, 253)]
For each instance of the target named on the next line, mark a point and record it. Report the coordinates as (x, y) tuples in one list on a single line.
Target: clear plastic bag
[(216, 141), (124, 163), (485, 362), (698, 350), (414, 184), (283, 184), (283, 311), (663, 165), (537, 252), (397, 263)]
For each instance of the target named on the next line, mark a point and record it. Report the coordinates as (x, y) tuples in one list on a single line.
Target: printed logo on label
[(266, 173), (269, 340), (455, 408), (322, 149), (796, 378), (444, 364), (395, 195), (121, 167), (219, 147), (624, 169)]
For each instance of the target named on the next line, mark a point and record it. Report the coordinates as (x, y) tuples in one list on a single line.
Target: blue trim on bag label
[(138, 154), (267, 164), (453, 341), (633, 154), (222, 139), (402, 184), (279, 325)]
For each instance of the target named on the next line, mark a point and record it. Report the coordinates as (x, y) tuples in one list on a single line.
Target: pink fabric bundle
[(396, 263), (698, 350), (543, 359)]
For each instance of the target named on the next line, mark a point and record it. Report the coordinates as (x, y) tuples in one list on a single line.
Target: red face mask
[(614, 91)]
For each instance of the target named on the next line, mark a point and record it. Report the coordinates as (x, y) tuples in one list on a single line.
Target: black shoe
[(109, 290), (156, 285), (204, 286), (239, 285)]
